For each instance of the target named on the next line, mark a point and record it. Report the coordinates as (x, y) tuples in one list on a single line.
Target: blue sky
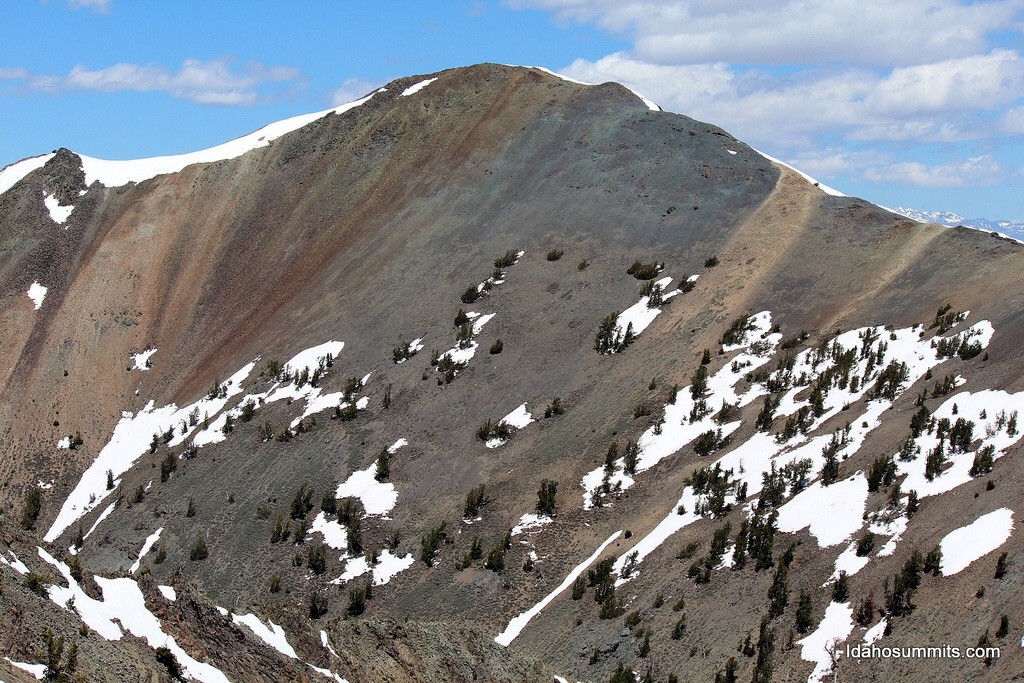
[(917, 103)]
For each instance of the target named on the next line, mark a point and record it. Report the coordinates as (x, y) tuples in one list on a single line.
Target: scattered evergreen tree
[(841, 588), (302, 503), (546, 498), (804, 613), (475, 500), (1004, 626), (933, 561), (496, 559), (765, 650), (30, 508), (316, 558), (318, 604), (778, 593), (497, 347), (984, 460), (555, 254), (199, 551), (579, 587), (912, 503), (431, 542), (170, 662), (866, 544), (623, 674), (383, 469), (1001, 566), (110, 480), (168, 466)]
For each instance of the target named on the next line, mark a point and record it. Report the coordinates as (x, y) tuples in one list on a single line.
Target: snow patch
[(58, 213), (821, 186), (37, 670), (142, 359), (130, 440), (530, 523), (37, 293), (830, 513), (168, 592), (835, 627), (413, 89), (270, 633), (378, 498), (963, 546), (519, 622), (124, 604), (12, 174), (117, 173), (146, 547), (334, 533)]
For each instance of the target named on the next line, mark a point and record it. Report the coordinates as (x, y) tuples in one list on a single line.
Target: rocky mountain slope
[(496, 376)]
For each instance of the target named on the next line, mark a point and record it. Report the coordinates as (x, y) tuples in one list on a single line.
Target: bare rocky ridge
[(366, 227)]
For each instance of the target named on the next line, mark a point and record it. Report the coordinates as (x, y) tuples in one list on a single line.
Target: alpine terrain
[(496, 376)]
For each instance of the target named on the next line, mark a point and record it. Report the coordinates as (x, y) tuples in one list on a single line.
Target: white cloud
[(352, 89), (975, 172), (97, 6), (940, 102), (794, 31), (210, 82), (12, 73), (1013, 121), (975, 82)]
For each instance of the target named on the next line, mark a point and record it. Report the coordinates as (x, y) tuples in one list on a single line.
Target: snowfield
[(963, 546)]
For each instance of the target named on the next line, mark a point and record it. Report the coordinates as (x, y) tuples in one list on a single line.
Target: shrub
[(546, 497), (555, 254), (168, 466), (431, 542), (497, 347), (316, 558), (170, 662), (302, 503), (30, 508), (318, 604), (509, 258), (711, 262), (642, 271), (475, 500), (383, 466), (199, 551), (582, 265), (471, 295)]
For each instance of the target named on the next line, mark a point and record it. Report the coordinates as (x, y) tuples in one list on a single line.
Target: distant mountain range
[(952, 220)]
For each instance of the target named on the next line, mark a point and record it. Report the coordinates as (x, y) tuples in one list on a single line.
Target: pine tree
[(383, 466), (31, 508), (1001, 566), (110, 480), (804, 612), (778, 593), (546, 498), (199, 551), (680, 627), (765, 650), (841, 588)]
